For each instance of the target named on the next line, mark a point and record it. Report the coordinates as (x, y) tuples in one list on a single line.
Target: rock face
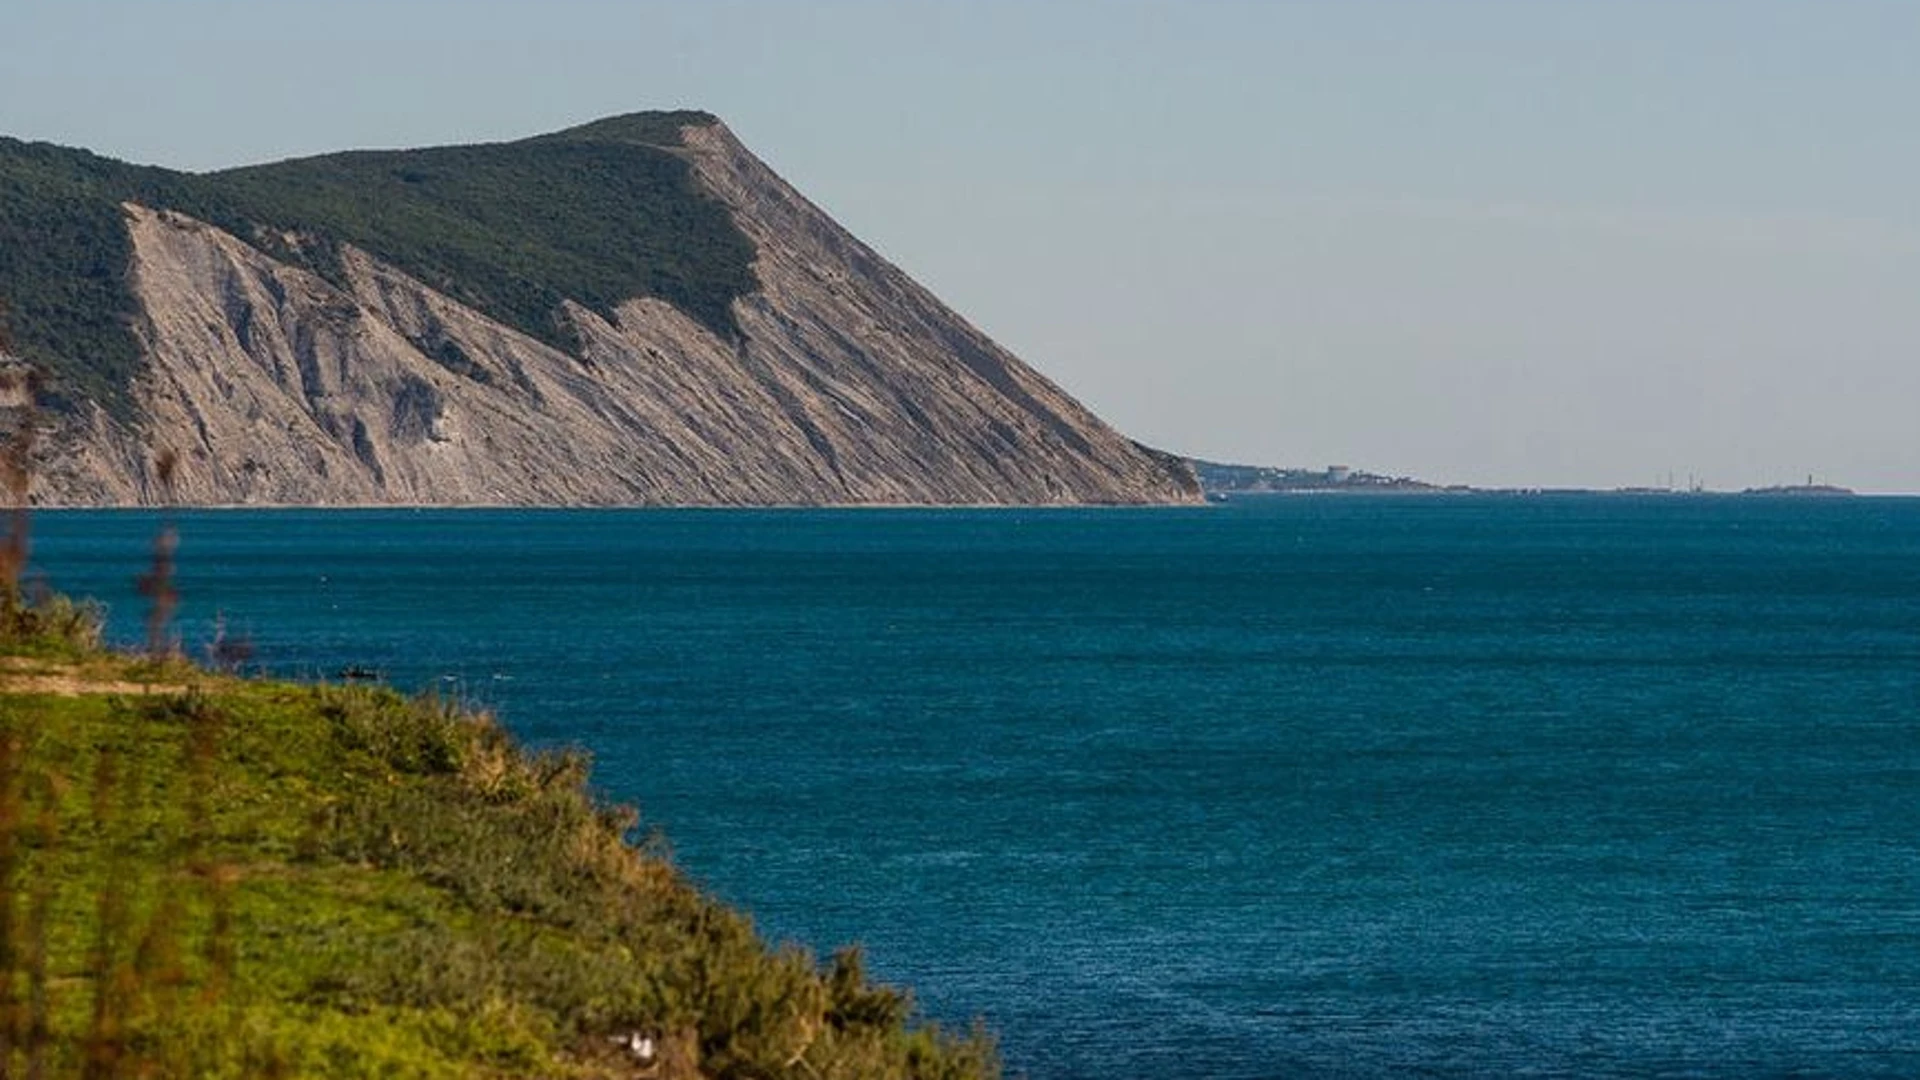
[(848, 384)]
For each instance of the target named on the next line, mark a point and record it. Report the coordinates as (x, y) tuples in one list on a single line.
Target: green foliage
[(639, 129), (49, 624), (598, 214), (64, 258), (261, 879)]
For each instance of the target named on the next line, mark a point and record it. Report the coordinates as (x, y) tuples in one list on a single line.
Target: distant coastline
[(1221, 482)]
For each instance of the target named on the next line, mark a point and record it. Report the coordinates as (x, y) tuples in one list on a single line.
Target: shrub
[(49, 622)]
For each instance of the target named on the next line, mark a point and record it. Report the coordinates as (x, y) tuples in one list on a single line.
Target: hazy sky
[(1546, 242)]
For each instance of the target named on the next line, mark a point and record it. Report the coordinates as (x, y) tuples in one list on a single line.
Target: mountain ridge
[(587, 316)]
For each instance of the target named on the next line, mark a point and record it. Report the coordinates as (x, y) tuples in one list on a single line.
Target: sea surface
[(1294, 787)]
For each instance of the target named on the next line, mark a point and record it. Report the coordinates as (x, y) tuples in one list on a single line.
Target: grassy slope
[(598, 214), (204, 876)]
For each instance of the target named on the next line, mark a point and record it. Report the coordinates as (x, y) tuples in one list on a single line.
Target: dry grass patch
[(30, 675)]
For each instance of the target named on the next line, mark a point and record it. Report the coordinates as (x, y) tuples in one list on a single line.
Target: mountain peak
[(635, 310), (658, 128)]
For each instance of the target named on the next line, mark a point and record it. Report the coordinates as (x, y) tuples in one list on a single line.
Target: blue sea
[(1294, 787)]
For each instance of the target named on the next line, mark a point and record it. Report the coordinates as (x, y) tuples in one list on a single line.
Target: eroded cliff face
[(849, 384)]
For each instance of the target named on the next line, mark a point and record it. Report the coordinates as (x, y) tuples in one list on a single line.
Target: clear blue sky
[(1546, 242)]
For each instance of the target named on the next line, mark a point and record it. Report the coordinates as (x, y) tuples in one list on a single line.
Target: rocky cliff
[(830, 377)]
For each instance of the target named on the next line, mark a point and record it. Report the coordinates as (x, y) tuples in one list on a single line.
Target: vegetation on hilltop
[(641, 129), (212, 877), (598, 214), (64, 255)]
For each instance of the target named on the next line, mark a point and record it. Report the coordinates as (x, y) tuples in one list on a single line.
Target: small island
[(1806, 490)]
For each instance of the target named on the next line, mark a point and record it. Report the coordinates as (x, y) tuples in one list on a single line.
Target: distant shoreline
[(1461, 490), (1214, 497), (1223, 481), (1816, 492)]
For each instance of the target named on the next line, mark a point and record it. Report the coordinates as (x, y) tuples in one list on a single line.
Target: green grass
[(212, 877), (598, 214)]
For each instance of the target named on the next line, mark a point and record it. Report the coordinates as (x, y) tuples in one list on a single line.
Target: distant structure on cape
[(1221, 480), (632, 312)]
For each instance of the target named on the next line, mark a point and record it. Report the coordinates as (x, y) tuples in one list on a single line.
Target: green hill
[(598, 214), (205, 876)]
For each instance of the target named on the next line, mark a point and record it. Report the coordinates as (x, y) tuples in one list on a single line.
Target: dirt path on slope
[(26, 675)]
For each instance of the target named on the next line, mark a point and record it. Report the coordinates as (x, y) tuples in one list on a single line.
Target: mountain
[(634, 311)]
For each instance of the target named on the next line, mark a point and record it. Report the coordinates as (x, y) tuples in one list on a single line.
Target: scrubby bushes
[(516, 836), (48, 623)]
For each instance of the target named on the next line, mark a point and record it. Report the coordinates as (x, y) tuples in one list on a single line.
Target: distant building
[(1339, 474)]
